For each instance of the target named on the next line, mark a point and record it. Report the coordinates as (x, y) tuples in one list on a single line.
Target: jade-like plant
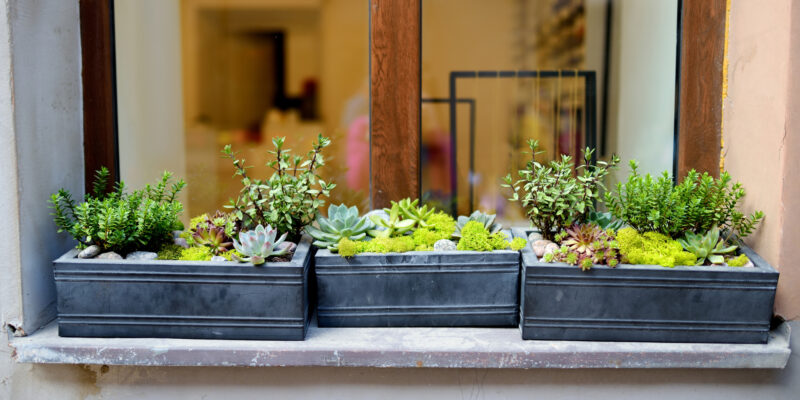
[(288, 200), (697, 204), (118, 221), (342, 222), (552, 196), (707, 247), (257, 245)]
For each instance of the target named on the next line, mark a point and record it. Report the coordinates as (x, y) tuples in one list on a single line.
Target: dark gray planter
[(645, 303), (418, 289), (184, 299)]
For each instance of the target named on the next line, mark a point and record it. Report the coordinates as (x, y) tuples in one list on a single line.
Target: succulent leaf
[(342, 222)]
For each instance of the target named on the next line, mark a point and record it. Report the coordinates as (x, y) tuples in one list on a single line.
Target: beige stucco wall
[(760, 121)]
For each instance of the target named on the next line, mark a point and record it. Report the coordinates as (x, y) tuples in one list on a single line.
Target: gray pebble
[(109, 255), (534, 236), (444, 245), (141, 255), (290, 246), (176, 234), (218, 258), (181, 242), (89, 252)]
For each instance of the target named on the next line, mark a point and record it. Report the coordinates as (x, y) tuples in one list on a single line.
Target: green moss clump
[(400, 244), (197, 220), (518, 244), (170, 252), (230, 253), (652, 248), (349, 248), (442, 223), (740, 261), (475, 237), (196, 254)]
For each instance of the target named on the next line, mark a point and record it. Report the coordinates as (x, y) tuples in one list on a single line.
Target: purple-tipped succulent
[(257, 245), (213, 237)]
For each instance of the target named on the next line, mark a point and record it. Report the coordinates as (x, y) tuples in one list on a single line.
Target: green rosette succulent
[(341, 223), (257, 245), (706, 247), (394, 226), (409, 210)]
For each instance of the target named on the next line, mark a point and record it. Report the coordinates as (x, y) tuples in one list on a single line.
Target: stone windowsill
[(400, 347)]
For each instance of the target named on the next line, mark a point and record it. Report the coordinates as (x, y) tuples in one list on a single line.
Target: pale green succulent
[(341, 223), (486, 219), (708, 246), (395, 226), (257, 245), (409, 210)]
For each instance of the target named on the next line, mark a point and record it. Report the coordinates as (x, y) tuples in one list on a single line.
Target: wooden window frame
[(395, 81)]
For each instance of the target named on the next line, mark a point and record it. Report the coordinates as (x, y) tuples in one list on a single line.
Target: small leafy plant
[(257, 245), (551, 196), (117, 221), (697, 204), (289, 199)]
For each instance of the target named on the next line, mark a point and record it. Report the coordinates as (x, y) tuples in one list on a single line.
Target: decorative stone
[(290, 246), (218, 258), (109, 255), (176, 234), (538, 246), (550, 248), (383, 214), (444, 245), (181, 242), (89, 252), (534, 236), (141, 255)]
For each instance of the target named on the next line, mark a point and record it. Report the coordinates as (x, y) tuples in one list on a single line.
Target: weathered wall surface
[(760, 132), (761, 118)]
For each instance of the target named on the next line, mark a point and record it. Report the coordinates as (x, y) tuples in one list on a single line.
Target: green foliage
[(397, 244), (196, 254), (410, 211), (706, 247), (652, 248), (486, 219), (475, 237), (518, 244), (257, 245), (586, 245), (604, 220), (170, 252), (117, 221), (342, 222), (697, 204), (551, 196), (438, 226), (395, 226), (739, 261), (289, 199)]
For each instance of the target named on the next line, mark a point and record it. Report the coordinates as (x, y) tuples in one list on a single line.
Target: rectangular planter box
[(645, 303), (418, 289), (184, 299)]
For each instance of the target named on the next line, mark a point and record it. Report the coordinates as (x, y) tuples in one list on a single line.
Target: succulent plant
[(486, 219), (585, 245), (342, 222), (395, 226), (257, 245), (706, 247), (214, 232), (604, 220), (410, 210)]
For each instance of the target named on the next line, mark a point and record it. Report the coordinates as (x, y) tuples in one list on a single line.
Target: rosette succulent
[(409, 210), (341, 223), (706, 247), (585, 245), (395, 226), (257, 245)]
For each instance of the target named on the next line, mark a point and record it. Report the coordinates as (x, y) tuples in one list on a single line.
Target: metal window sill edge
[(400, 348)]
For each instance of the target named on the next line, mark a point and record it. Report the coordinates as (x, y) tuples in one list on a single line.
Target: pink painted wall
[(762, 145)]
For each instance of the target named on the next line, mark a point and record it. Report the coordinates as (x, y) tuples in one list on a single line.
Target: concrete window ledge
[(401, 347)]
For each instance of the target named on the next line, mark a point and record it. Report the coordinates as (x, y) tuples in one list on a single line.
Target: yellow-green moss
[(740, 261), (197, 220), (230, 253), (196, 253), (475, 237), (518, 244), (400, 244), (652, 248), (170, 252), (442, 223)]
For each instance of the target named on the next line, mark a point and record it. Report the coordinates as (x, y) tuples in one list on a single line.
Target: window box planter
[(418, 289), (184, 299), (646, 303)]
